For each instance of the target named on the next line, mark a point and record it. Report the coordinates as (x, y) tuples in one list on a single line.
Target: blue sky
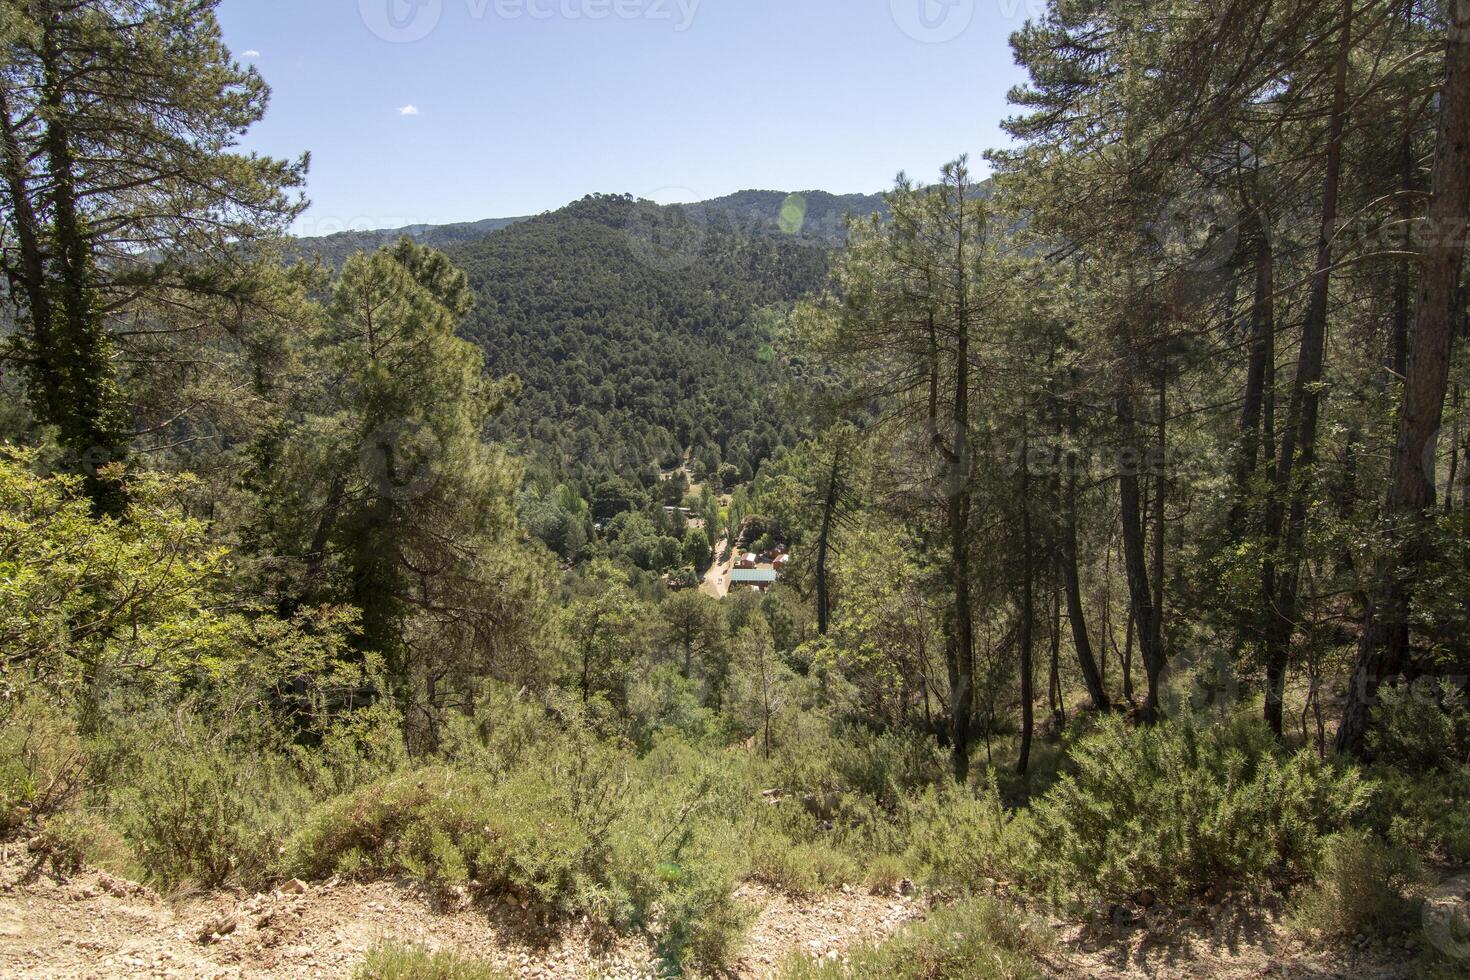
[(451, 110)]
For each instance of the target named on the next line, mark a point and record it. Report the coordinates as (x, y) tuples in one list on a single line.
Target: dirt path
[(717, 580), (94, 925)]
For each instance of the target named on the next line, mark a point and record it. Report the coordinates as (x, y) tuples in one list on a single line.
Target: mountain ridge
[(810, 214)]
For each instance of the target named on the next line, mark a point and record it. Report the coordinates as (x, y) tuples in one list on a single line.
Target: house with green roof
[(760, 579)]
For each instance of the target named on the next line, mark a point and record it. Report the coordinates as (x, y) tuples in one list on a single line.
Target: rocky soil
[(96, 925)]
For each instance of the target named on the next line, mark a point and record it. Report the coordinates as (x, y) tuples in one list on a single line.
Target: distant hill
[(814, 216), (334, 249), (636, 332), (635, 328), (809, 214)]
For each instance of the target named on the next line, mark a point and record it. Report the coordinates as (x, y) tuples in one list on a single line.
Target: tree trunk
[(829, 506), (1161, 489), (1054, 695), (82, 393), (1287, 506), (1262, 344), (32, 259), (1028, 618), (1071, 580), (1384, 648), (1134, 560)]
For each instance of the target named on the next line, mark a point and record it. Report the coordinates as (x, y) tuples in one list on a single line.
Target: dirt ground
[(95, 925)]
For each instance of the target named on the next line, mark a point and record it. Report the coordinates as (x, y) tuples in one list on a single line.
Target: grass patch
[(976, 939), (398, 962)]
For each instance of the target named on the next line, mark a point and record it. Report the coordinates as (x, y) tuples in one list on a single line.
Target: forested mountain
[(815, 215), (334, 249), (637, 333)]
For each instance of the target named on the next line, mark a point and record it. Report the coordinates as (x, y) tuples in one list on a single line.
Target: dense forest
[(638, 336), (1126, 497)]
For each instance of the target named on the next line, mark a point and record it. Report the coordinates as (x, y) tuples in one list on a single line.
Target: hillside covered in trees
[(640, 334), (1121, 503)]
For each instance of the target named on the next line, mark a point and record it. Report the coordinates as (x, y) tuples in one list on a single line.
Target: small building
[(747, 560), (780, 563), (760, 579)]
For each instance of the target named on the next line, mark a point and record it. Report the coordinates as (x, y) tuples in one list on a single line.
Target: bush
[(701, 923), (977, 939), (355, 748), (449, 828), (569, 828), (1428, 812), (1420, 777), (41, 763), (798, 868), (1183, 806), (394, 962), (1420, 726), (1366, 887), (960, 837), (885, 873), (76, 839), (847, 787), (209, 806)]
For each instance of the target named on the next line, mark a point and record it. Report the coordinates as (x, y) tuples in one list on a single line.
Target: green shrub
[(701, 924), (798, 867), (396, 962), (884, 874), (960, 837), (447, 828), (355, 748), (846, 787), (197, 807), (1365, 887), (977, 939), (76, 839), (41, 763), (1182, 806), (1420, 776), (1426, 811), (1420, 726), (570, 829)]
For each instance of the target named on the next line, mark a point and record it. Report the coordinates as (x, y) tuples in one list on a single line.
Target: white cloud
[(252, 53), (409, 110)]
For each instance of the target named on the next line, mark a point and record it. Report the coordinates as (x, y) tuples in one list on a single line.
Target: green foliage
[(1421, 726), (1420, 774), (564, 820), (630, 352), (197, 807), (1183, 806), (966, 839), (399, 962), (75, 839), (884, 873), (798, 868), (1365, 886), (84, 597), (41, 762), (976, 939), (1426, 811)]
